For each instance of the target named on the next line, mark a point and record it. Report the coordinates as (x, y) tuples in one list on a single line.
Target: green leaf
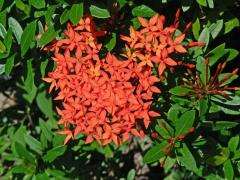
[(131, 174), (19, 169), (64, 17), (44, 103), (231, 24), (1, 4), (215, 54), (45, 130), (204, 37), (220, 125), (33, 143), (223, 75), (219, 159), (27, 37), (9, 64), (23, 153), (99, 12), (179, 91), (108, 151), (203, 107), (155, 153), (54, 153), (202, 68), (135, 23), (56, 173), (233, 143), (233, 101), (2, 69), (38, 4), (3, 17), (112, 43), (16, 27), (216, 28), (210, 3), (228, 170), (23, 7), (49, 14), (173, 113), (186, 5), (43, 67), (187, 159), (143, 11), (236, 155), (2, 47), (8, 41), (164, 132), (42, 176), (44, 141), (76, 13), (29, 81), (184, 123), (232, 53), (3, 31), (196, 28), (48, 36), (202, 2)]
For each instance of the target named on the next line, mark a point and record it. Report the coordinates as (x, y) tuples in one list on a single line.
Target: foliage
[(196, 135)]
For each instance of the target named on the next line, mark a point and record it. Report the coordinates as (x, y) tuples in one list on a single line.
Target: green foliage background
[(29, 146)]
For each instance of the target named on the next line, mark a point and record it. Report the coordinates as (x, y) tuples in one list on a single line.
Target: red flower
[(103, 98)]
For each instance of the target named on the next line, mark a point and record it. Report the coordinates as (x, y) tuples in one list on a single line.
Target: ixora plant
[(109, 97), (119, 89)]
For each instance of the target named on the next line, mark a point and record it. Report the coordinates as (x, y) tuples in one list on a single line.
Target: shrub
[(137, 90)]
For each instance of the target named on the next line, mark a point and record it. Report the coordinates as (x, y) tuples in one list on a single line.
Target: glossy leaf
[(143, 11), (155, 153), (184, 123), (54, 153), (39, 4), (16, 27), (233, 143), (187, 159), (9, 64), (45, 130), (47, 36), (27, 37), (33, 143), (44, 103), (228, 170), (112, 43), (99, 12), (76, 12), (22, 152)]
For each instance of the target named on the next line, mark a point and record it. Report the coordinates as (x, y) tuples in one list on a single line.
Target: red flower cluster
[(156, 43), (103, 98)]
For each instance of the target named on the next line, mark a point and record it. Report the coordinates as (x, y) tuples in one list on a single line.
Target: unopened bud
[(178, 13), (171, 69), (191, 66), (165, 150), (162, 164), (154, 135), (224, 65), (207, 61), (192, 129), (235, 71), (181, 136)]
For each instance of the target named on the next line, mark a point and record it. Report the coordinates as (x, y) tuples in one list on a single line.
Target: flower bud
[(181, 136)]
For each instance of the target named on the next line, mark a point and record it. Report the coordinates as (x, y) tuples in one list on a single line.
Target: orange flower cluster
[(103, 98), (154, 43)]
